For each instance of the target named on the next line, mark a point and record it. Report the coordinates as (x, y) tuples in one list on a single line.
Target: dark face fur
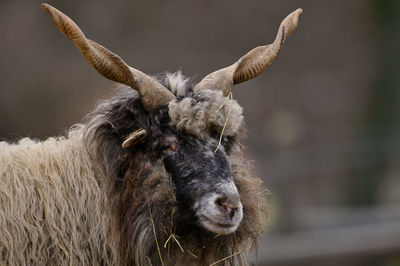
[(204, 185)]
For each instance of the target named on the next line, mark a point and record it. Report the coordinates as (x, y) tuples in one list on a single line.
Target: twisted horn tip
[(299, 11), (45, 7), (296, 14)]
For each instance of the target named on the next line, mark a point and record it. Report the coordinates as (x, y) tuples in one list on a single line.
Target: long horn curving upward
[(110, 65), (251, 64)]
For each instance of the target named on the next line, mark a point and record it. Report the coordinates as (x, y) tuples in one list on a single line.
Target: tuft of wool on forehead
[(203, 112)]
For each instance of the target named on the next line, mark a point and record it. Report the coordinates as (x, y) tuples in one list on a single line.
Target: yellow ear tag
[(134, 138)]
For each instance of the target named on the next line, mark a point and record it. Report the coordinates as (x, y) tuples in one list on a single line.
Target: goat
[(155, 175)]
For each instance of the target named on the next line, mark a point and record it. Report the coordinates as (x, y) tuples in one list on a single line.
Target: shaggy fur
[(202, 112), (47, 190), (83, 199), (205, 112)]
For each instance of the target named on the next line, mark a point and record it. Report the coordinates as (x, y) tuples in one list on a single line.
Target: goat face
[(199, 172), (185, 136), (204, 184)]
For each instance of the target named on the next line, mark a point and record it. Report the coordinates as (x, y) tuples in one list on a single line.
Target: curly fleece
[(203, 112)]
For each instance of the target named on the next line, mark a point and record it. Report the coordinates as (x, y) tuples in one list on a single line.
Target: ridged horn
[(110, 65), (251, 64)]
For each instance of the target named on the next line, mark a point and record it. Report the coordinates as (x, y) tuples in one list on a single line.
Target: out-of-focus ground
[(323, 120)]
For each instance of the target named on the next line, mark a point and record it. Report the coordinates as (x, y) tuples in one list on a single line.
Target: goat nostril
[(228, 207), (232, 212), (220, 202)]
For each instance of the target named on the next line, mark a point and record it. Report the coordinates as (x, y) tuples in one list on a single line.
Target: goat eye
[(167, 148), (169, 144)]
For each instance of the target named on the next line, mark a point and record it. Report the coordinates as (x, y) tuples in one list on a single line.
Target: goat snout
[(221, 211), (228, 205)]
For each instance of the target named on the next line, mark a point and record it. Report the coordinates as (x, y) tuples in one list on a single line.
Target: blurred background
[(323, 120)]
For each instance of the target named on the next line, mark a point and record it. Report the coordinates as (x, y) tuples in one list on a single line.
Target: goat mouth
[(217, 227)]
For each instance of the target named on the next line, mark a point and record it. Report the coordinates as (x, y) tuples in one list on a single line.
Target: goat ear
[(134, 138), (110, 65), (251, 64)]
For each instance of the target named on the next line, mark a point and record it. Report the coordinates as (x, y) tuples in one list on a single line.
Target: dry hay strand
[(227, 117), (173, 237), (155, 235), (69, 257), (226, 258)]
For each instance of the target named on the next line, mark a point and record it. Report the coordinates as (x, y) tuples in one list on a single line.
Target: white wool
[(177, 83), (204, 111)]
